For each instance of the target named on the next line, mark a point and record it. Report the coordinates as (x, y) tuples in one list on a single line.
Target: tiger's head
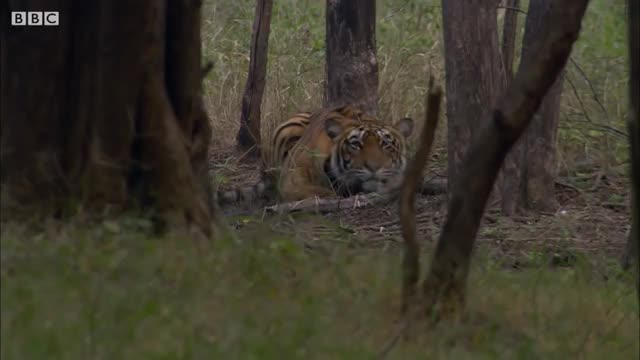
[(366, 155)]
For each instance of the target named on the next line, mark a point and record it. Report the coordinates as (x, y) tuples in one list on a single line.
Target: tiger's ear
[(405, 126), (333, 128)]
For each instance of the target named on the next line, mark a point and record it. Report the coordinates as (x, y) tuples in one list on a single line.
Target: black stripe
[(288, 144), (277, 134)]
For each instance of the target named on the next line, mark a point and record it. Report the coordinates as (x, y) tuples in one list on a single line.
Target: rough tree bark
[(511, 176), (472, 71), (248, 137), (509, 31), (445, 285), (539, 163), (105, 111), (632, 254), (351, 62)]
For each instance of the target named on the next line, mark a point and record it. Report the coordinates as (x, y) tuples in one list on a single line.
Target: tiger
[(334, 151)]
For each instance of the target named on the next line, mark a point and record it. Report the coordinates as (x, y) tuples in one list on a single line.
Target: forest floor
[(591, 219)]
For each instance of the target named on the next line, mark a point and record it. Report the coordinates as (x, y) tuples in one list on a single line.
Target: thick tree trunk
[(248, 137), (445, 285), (105, 112), (510, 181), (351, 63), (632, 254), (473, 72), (539, 164)]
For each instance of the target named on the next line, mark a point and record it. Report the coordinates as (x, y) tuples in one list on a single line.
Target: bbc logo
[(35, 18)]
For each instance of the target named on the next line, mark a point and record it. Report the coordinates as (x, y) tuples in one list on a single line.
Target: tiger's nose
[(372, 167), (375, 166)]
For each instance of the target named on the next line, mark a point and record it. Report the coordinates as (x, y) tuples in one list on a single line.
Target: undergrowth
[(112, 292)]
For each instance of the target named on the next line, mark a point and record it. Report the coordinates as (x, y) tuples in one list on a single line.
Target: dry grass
[(594, 105)]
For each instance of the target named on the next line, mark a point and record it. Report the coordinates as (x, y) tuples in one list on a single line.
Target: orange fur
[(304, 171)]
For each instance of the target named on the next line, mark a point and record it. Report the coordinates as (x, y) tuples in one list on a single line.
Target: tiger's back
[(284, 138)]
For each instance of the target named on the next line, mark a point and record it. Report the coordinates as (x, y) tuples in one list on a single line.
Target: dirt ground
[(592, 219)]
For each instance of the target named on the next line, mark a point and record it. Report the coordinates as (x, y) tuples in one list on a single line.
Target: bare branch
[(412, 179)]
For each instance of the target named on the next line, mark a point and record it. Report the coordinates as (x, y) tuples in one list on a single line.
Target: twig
[(568, 186), (518, 10), (593, 90), (395, 339), (586, 113)]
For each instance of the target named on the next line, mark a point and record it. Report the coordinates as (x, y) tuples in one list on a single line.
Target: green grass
[(111, 292)]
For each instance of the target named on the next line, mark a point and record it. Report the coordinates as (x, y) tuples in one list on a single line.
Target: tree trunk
[(509, 30), (351, 63), (472, 68), (539, 164), (510, 181), (445, 285), (632, 254), (248, 137), (105, 112)]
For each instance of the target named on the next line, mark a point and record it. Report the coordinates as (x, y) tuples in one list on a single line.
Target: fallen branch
[(329, 205), (325, 205)]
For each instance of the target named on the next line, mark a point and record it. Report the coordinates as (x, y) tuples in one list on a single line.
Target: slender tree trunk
[(412, 179), (509, 31), (445, 285), (632, 254), (248, 137), (473, 72), (539, 164), (351, 63), (119, 121), (510, 181)]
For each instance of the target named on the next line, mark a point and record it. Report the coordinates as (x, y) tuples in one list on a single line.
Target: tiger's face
[(366, 156)]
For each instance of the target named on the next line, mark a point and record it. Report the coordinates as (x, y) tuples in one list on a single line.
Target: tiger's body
[(333, 151)]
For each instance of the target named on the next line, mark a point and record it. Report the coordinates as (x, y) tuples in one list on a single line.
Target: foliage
[(113, 292)]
